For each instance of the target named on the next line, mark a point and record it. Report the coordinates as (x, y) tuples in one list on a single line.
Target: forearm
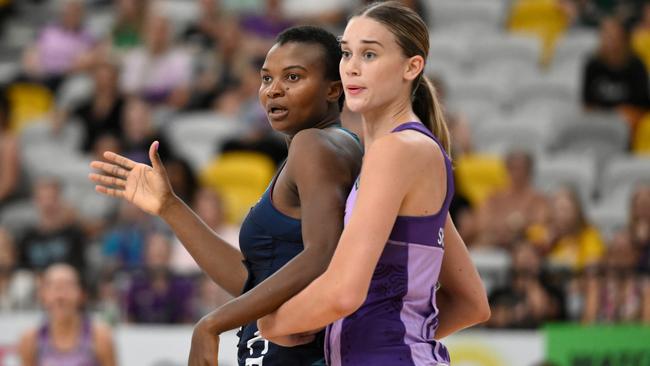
[(454, 314), (313, 308), (220, 260), (268, 295)]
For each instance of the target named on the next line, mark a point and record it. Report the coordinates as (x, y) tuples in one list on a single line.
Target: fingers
[(111, 192), (119, 159), (106, 180), (154, 157), (111, 169)]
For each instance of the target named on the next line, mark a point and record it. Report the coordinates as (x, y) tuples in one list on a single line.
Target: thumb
[(154, 157)]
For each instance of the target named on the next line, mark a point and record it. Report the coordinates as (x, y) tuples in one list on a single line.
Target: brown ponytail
[(427, 106), (413, 38)]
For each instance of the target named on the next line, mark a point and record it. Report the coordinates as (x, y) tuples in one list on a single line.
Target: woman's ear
[(334, 91), (414, 67)]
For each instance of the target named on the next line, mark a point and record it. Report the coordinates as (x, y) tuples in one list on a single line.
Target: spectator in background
[(615, 78), (529, 300), (182, 178), (158, 72), (615, 294), (57, 235), (568, 238), (157, 295), (123, 245), (67, 335), (61, 49), (207, 31), (139, 132), (261, 29), (506, 214), (100, 115), (127, 31), (16, 287), (10, 169)]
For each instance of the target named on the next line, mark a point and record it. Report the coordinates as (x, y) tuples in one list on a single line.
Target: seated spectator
[(156, 294), (614, 77), (207, 31), (568, 238), (16, 287), (506, 214), (100, 115), (123, 244), (57, 235), (615, 294), (529, 297), (261, 29), (157, 71), (67, 335), (62, 48), (128, 28), (138, 132)]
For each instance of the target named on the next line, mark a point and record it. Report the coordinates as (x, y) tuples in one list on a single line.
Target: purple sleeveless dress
[(396, 324), (83, 354)]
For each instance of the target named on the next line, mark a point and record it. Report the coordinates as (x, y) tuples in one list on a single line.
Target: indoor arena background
[(546, 102)]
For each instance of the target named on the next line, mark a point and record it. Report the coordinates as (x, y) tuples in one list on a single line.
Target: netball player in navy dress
[(288, 238), (381, 289)]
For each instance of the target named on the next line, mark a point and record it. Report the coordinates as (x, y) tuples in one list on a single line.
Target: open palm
[(145, 186)]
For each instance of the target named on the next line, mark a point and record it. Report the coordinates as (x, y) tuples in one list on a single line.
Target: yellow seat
[(27, 102), (477, 176), (543, 18), (240, 178), (641, 46), (641, 138)]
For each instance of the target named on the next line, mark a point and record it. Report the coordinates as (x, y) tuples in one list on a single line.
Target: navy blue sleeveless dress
[(268, 240)]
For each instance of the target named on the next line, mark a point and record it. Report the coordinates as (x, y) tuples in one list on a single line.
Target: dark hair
[(412, 36), (318, 36)]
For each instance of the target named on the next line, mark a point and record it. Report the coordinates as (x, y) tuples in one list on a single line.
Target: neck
[(331, 118), (65, 324), (382, 120)]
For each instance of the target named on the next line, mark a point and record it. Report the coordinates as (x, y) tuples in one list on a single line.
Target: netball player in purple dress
[(401, 278), (67, 336)]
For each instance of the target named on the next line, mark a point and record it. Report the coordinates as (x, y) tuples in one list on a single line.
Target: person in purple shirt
[(67, 336), (157, 295), (61, 48), (401, 278)]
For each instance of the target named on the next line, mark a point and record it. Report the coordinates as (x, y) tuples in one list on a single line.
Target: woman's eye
[(293, 77), (266, 79), (369, 55), (346, 54)]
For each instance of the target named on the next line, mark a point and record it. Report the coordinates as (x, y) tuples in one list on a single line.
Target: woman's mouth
[(277, 112), (354, 89)]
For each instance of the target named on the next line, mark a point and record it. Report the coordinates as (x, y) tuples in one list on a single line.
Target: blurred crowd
[(121, 73)]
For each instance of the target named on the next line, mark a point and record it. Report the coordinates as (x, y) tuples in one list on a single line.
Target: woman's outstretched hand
[(145, 186)]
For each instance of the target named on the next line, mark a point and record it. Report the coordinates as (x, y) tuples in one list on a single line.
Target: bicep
[(382, 189)]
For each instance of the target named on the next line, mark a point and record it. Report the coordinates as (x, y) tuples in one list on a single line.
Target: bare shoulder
[(328, 148), (101, 331), (28, 342), (406, 146)]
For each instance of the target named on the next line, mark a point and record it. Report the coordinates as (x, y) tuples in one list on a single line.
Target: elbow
[(481, 307), (483, 312), (346, 300)]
